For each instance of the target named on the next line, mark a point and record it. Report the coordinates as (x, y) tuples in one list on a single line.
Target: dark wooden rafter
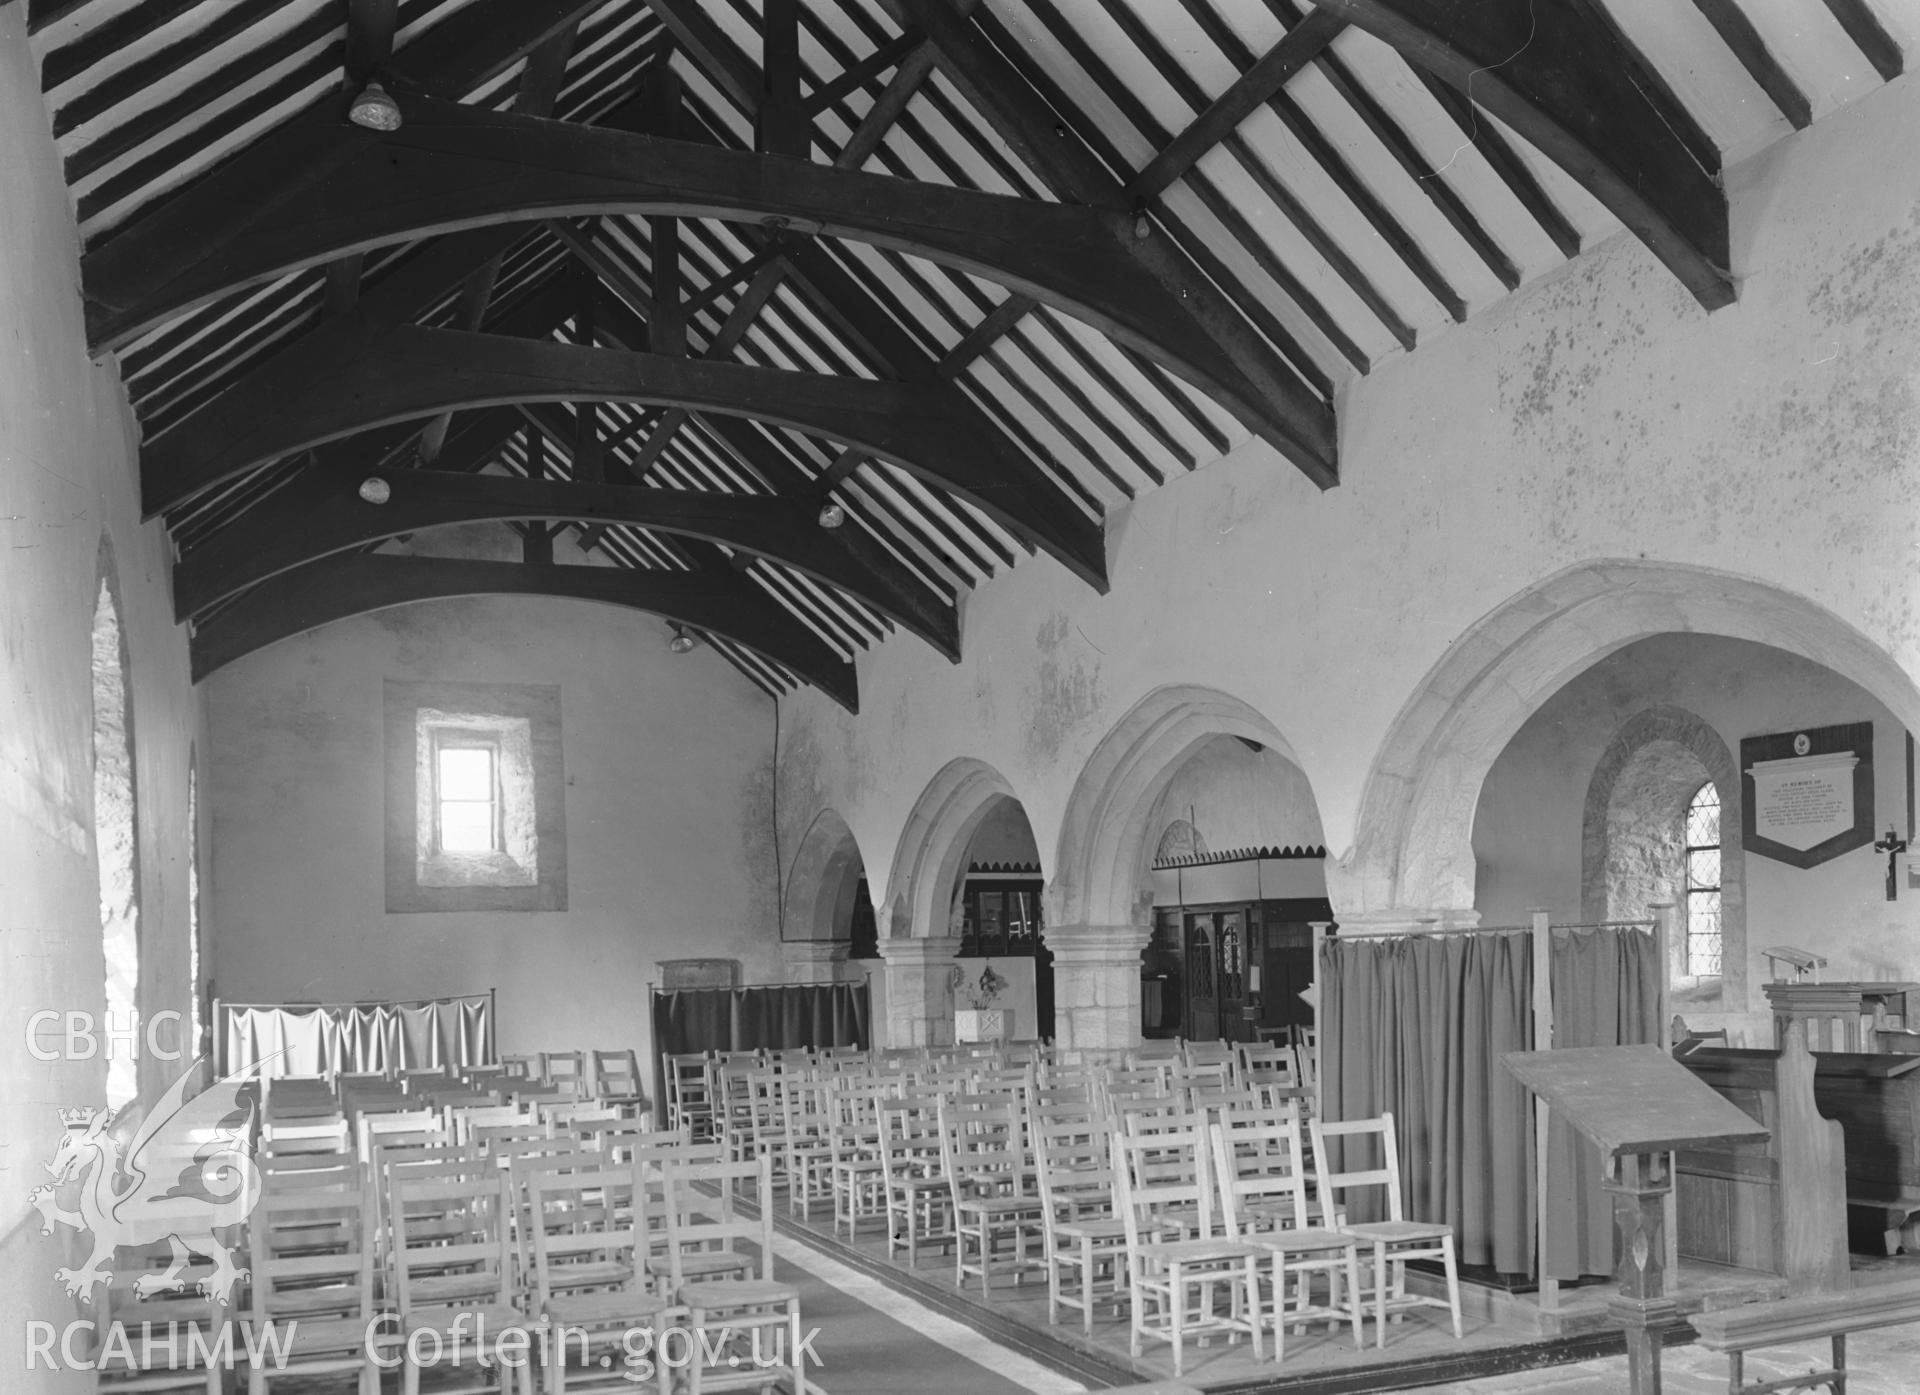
[(1215, 201), (864, 73), (482, 41), (327, 387), (747, 443), (1736, 31), (453, 166), (1324, 154), (1870, 36), (1564, 78), (981, 339), (368, 48), (1506, 162), (588, 454), (719, 602), (321, 514), (1430, 181), (1252, 90), (913, 58)]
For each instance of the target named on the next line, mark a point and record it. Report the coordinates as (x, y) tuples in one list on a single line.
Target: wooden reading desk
[(1638, 1105), (1860, 1009)]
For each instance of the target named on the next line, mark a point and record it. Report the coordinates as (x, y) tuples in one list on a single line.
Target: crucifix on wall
[(1892, 845)]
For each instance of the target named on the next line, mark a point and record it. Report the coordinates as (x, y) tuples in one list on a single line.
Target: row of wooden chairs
[(610, 1076), (1016, 1167), (521, 1259)]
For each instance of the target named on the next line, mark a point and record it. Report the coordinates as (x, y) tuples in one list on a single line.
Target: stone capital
[(1097, 944), (815, 961), (919, 949)]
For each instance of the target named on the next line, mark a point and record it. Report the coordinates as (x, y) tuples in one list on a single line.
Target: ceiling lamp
[(374, 109), (375, 490), (832, 515), (682, 642)]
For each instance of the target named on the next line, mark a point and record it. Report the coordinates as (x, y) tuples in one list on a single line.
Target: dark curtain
[(777, 1018), (1415, 1026), (1606, 987), (318, 1038)]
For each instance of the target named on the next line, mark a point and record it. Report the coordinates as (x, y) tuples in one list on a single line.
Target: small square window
[(476, 798)]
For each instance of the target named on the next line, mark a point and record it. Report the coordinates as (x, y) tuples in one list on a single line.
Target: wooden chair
[(689, 1088), (733, 1100), (805, 1141), (311, 1253), (1085, 1237), (428, 1223), (300, 1171), (1267, 1063), (758, 1305), (590, 1234), (1263, 1201), (317, 1134), (398, 1126), (764, 1131), (616, 1080), (919, 1206), (1164, 1182), (465, 1120), (184, 1327), (458, 1279), (613, 1139), (859, 1190), (1394, 1240), (1210, 1053), (566, 1069), (983, 1154)]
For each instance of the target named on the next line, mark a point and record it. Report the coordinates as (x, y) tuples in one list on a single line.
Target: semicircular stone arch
[(1413, 855), (1632, 841)]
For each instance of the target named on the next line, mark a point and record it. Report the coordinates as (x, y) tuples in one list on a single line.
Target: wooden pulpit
[(1638, 1105)]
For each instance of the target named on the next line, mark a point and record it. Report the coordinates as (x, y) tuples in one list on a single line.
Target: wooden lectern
[(1638, 1105)]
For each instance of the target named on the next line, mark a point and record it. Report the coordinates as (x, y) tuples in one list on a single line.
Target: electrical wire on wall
[(773, 807)]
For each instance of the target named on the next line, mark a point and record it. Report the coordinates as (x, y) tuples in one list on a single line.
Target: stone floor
[(1499, 1331)]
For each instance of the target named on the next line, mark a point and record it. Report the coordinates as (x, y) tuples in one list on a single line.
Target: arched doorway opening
[(1593, 809), (924, 927), (1186, 768), (997, 915), (1238, 880), (1413, 856)]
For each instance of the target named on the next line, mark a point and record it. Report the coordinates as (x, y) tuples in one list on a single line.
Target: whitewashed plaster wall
[(1598, 413), (67, 480), (669, 835)]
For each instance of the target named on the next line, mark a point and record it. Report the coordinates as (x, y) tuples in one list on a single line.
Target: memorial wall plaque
[(1808, 795)]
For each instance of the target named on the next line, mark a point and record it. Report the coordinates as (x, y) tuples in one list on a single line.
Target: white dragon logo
[(143, 1190)]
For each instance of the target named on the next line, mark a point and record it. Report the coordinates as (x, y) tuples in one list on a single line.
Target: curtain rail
[(866, 975), (1489, 929), (367, 1002)]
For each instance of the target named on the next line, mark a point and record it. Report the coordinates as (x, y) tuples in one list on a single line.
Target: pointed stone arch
[(819, 889), (817, 900), (1099, 910), (928, 860), (1413, 854), (1103, 850)]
